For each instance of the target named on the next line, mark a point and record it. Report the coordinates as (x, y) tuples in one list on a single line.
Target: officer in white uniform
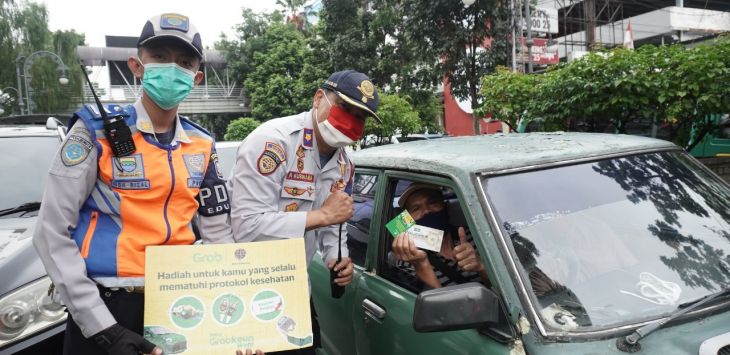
[(293, 177)]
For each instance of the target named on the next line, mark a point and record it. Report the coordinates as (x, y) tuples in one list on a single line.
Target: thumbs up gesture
[(465, 255)]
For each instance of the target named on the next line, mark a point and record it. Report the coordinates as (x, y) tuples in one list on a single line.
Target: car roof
[(227, 144), (25, 130), (498, 152), (29, 125)]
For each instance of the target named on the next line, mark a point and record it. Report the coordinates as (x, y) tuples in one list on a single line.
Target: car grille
[(725, 350)]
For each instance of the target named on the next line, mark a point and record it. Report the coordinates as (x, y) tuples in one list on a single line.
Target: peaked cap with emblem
[(174, 26), (356, 89)]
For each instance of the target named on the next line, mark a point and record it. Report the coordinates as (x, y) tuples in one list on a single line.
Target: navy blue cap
[(173, 26), (356, 89)]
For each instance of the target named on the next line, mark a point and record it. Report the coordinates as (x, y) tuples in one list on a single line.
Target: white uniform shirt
[(277, 179)]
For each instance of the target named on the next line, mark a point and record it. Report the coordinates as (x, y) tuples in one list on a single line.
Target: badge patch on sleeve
[(75, 150), (292, 207), (271, 158), (216, 165)]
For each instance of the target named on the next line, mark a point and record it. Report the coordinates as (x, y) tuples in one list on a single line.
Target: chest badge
[(128, 173), (195, 164), (300, 159), (298, 191)]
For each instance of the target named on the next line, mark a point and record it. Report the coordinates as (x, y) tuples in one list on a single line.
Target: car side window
[(432, 206), (358, 227)]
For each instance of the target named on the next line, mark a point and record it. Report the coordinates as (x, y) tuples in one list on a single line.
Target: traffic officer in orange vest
[(101, 208), (293, 176)]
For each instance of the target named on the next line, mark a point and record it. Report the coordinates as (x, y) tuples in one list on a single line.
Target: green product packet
[(400, 223)]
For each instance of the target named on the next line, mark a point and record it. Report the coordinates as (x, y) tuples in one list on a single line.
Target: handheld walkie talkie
[(116, 130), (337, 290)]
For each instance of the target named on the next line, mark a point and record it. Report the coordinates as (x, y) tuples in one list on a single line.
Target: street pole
[(528, 19), (61, 67), (514, 34), (20, 88)]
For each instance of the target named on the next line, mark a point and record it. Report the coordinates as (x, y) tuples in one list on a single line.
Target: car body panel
[(19, 262), (17, 253)]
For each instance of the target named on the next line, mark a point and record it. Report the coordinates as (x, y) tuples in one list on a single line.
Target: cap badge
[(174, 22), (367, 90)]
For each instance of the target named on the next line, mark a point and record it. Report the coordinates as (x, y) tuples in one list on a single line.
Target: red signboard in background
[(541, 53)]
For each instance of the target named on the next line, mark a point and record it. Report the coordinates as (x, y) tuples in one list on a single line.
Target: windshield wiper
[(26, 207), (630, 343)]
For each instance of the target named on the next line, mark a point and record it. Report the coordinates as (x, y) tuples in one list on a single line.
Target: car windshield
[(26, 161), (616, 241)]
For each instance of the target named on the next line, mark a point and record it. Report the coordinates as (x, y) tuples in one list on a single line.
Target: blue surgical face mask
[(167, 84), (436, 220)]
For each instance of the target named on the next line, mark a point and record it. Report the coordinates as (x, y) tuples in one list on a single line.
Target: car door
[(335, 315), (381, 306)]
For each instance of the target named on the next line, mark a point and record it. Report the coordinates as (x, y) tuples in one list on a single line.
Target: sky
[(97, 18)]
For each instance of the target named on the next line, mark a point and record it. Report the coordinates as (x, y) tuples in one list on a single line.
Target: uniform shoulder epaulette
[(111, 110)]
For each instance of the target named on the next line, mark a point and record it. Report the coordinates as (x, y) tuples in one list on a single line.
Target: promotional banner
[(542, 54), (215, 299)]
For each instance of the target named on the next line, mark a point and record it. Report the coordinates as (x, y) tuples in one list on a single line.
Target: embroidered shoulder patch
[(75, 150), (271, 158)]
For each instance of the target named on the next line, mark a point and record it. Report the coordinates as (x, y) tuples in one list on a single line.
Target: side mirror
[(51, 123), (465, 306)]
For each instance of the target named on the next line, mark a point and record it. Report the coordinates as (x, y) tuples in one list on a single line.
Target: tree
[(370, 37), (275, 85), (671, 86), (463, 44), (216, 124), (48, 94), (294, 17), (507, 95), (240, 129), (239, 51), (24, 30), (397, 115)]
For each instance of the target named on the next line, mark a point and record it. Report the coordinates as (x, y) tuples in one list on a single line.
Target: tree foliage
[(275, 63), (24, 30), (276, 86), (249, 39), (406, 47), (672, 86), (397, 115), (240, 128), (464, 44), (372, 37)]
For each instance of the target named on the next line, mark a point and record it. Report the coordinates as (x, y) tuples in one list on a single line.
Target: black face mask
[(436, 220)]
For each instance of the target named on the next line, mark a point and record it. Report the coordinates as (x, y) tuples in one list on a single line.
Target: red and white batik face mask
[(341, 128)]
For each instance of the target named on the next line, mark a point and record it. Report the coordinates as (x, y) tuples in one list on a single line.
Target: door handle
[(373, 310)]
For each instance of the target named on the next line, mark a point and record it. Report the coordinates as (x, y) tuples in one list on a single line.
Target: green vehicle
[(592, 243), (171, 343), (716, 142)]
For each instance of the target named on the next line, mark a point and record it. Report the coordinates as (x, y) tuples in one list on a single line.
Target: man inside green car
[(457, 261)]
